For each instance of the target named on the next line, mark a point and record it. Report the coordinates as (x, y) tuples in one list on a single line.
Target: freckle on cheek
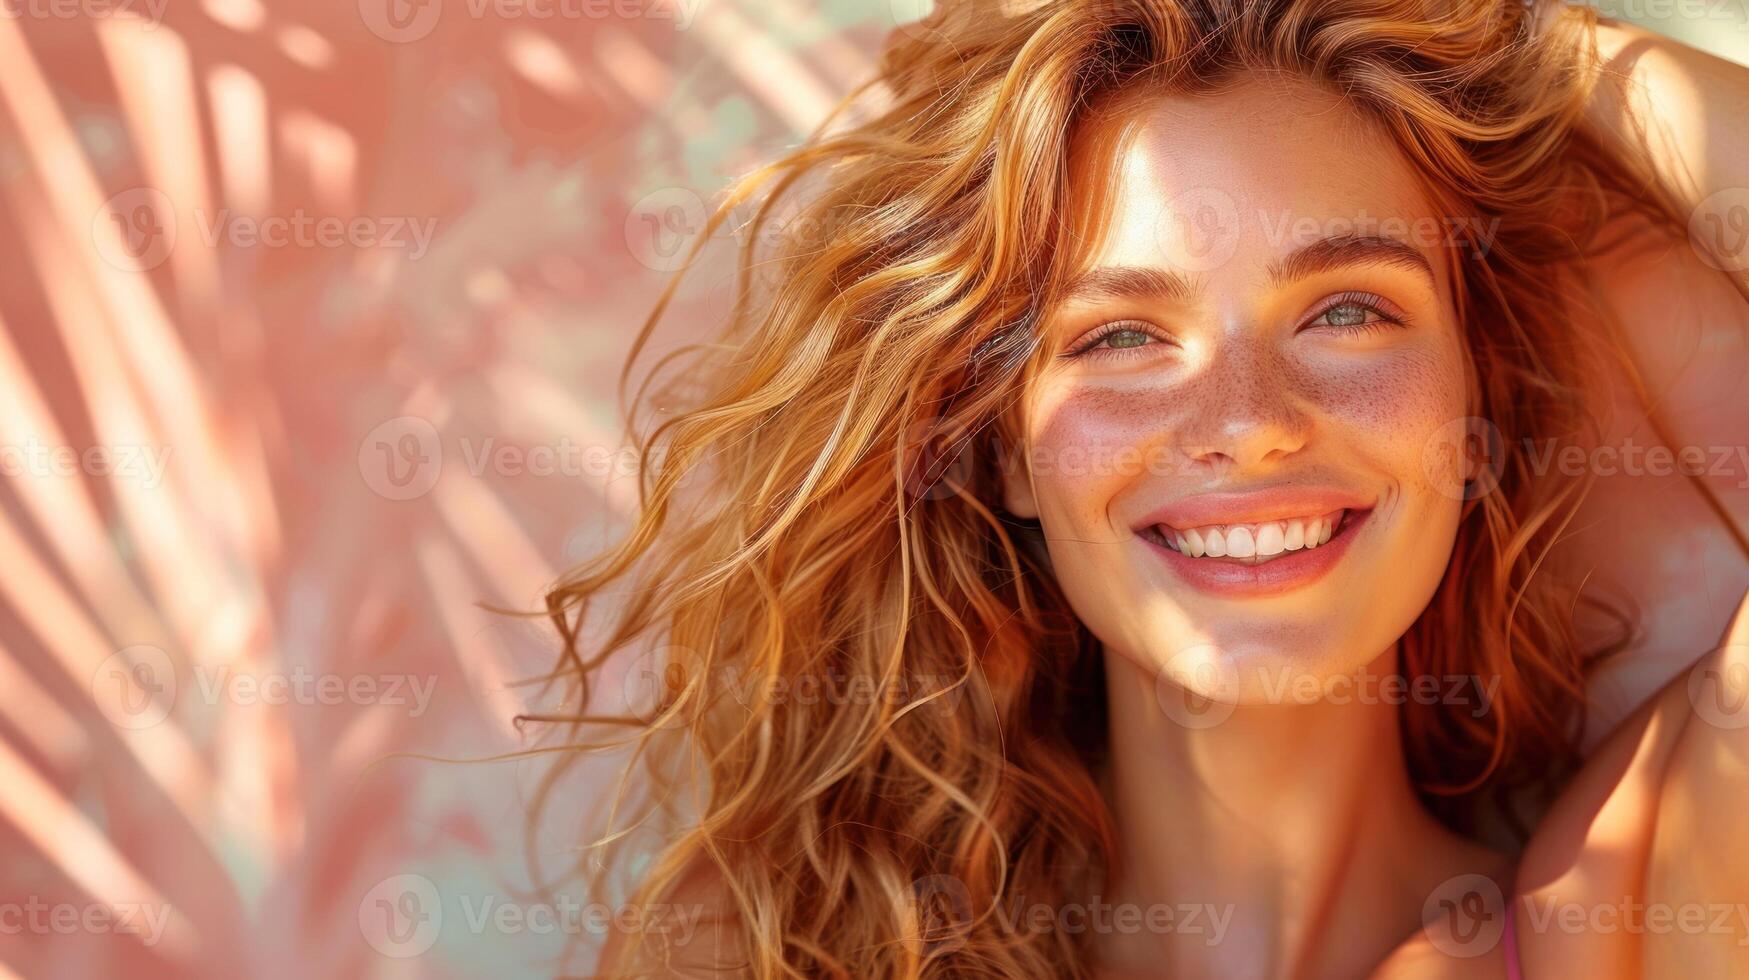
[(1102, 419), (1408, 396)]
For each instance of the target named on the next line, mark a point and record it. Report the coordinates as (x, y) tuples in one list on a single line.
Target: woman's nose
[(1245, 408)]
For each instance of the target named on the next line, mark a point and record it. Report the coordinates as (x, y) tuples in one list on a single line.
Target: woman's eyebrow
[(1338, 251), (1127, 282), (1323, 255)]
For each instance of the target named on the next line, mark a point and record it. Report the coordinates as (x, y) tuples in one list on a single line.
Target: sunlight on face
[(1229, 447)]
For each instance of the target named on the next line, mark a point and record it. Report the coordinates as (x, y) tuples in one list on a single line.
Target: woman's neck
[(1285, 839)]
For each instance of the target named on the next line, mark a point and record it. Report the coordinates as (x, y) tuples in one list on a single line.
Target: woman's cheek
[(1093, 440), (1392, 407)]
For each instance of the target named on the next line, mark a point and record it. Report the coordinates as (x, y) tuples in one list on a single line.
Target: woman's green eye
[(1115, 340), (1346, 315), (1126, 338)]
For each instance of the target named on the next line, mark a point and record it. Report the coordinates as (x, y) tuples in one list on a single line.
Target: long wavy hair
[(866, 682)]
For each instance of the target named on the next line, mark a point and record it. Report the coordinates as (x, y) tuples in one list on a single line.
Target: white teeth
[(1240, 544), (1295, 539), (1216, 543), (1256, 542), (1271, 540)]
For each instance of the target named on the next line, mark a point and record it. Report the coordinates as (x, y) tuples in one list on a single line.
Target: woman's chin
[(1289, 661)]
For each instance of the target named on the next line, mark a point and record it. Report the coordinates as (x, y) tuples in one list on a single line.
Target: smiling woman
[(1145, 432)]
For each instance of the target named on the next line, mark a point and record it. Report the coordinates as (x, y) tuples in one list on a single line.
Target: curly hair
[(823, 508)]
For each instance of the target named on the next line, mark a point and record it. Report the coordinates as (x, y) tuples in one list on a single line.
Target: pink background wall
[(311, 316)]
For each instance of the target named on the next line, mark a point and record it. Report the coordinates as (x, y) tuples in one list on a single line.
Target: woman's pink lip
[(1237, 580), (1254, 506)]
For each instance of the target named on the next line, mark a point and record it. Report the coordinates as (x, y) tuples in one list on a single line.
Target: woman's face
[(1237, 445)]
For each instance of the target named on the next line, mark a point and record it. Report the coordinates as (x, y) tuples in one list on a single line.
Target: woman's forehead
[(1254, 170)]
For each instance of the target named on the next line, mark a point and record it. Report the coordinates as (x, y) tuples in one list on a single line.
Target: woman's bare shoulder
[(1641, 867)]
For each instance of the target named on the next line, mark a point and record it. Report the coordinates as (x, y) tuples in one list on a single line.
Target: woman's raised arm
[(1689, 110)]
